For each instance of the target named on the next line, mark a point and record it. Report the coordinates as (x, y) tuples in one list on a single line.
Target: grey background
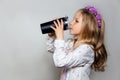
[(23, 54)]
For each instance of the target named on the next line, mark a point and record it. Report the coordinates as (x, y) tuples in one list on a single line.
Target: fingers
[(58, 28), (58, 23), (62, 24), (53, 28)]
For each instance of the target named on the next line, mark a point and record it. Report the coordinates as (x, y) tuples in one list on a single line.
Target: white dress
[(76, 63)]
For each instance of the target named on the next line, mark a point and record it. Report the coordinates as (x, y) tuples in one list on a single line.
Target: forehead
[(78, 15)]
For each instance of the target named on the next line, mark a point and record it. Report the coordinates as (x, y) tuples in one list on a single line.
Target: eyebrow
[(76, 18)]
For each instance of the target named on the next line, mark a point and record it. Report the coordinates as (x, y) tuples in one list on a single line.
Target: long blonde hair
[(93, 35)]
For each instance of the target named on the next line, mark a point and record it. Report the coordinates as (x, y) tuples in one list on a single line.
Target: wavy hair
[(93, 35)]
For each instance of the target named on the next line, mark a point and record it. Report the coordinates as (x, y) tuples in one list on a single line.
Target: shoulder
[(85, 48)]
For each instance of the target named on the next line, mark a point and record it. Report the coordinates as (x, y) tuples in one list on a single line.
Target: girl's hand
[(58, 29)]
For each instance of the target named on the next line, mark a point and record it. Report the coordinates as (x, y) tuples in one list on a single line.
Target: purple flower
[(93, 10), (95, 13), (98, 16), (99, 24), (88, 7)]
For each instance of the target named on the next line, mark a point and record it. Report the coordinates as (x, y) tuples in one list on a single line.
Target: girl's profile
[(85, 51)]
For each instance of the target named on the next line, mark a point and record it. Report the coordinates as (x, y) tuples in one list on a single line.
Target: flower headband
[(95, 13)]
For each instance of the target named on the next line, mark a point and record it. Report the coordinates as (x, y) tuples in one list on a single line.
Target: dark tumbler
[(46, 27)]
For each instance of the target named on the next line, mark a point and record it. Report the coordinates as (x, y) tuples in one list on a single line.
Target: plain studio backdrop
[(23, 54)]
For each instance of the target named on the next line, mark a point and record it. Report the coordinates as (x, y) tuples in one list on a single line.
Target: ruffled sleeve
[(50, 44)]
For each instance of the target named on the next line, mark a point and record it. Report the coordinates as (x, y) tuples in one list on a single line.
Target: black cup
[(46, 27)]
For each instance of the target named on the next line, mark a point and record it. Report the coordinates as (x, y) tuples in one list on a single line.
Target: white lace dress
[(76, 63)]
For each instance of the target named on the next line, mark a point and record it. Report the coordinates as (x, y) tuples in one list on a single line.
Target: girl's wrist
[(59, 38)]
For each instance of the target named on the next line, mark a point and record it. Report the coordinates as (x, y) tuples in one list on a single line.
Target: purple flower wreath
[(95, 13)]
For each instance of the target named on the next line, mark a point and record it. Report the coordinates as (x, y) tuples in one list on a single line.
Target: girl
[(77, 56)]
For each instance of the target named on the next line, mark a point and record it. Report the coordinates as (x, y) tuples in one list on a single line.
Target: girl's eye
[(76, 21)]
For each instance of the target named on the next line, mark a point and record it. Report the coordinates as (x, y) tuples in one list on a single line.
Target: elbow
[(50, 51), (59, 61), (57, 64)]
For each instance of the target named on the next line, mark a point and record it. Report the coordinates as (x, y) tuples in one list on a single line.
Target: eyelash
[(76, 21)]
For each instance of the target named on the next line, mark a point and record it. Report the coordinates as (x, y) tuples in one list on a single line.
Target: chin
[(71, 33)]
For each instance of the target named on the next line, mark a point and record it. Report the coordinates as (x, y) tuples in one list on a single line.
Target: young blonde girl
[(85, 51)]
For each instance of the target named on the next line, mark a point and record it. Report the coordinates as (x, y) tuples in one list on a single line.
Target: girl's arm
[(50, 42), (79, 57)]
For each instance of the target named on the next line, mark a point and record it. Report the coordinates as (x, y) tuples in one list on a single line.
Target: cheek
[(78, 28), (75, 30)]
